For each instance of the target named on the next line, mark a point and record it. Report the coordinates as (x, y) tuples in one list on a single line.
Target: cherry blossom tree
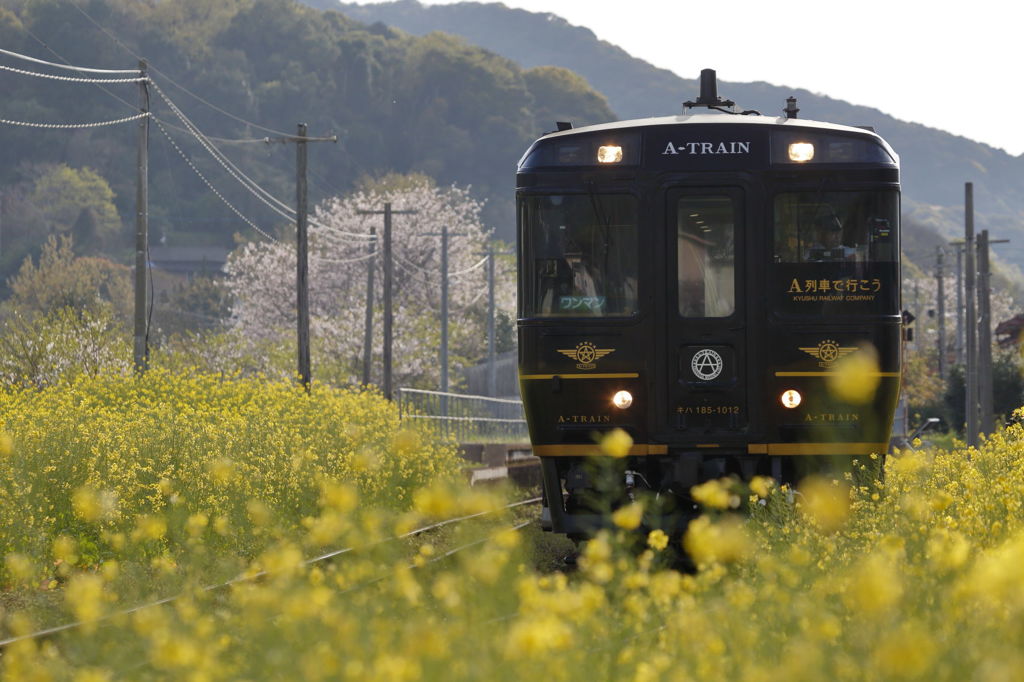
[(261, 281)]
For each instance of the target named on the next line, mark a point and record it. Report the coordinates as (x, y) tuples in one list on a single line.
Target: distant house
[(189, 260), (1010, 330)]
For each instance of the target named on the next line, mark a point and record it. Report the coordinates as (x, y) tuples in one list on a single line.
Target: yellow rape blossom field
[(116, 492)]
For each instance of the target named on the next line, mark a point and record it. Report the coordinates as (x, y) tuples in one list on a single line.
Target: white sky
[(952, 66)]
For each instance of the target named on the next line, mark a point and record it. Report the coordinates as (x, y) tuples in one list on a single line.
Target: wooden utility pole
[(368, 324), (302, 246), (492, 373), (960, 359), (971, 395), (302, 255), (141, 345), (987, 423), (389, 270), (940, 281)]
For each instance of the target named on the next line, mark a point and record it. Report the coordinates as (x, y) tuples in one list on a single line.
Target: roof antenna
[(791, 109), (709, 95)]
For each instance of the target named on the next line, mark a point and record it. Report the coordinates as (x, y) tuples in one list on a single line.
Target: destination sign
[(707, 147)]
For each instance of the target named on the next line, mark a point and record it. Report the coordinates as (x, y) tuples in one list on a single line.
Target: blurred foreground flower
[(616, 443), (826, 502), (629, 516), (657, 539), (723, 542), (715, 494), (856, 378)]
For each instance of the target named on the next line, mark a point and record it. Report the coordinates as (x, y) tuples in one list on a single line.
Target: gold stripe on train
[(834, 374), (817, 448), (621, 375), (577, 450)]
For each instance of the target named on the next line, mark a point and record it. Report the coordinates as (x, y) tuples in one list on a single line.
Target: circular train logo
[(706, 364)]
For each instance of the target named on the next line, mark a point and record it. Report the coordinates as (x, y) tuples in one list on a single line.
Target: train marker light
[(609, 153), (801, 151), (622, 399), (791, 398)]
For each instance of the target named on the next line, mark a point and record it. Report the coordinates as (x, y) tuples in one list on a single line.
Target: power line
[(65, 126), (168, 78), (207, 182), (226, 163), (70, 67), (69, 79)]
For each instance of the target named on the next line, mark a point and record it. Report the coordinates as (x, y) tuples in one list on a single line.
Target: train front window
[(580, 255), (850, 227), (836, 253), (706, 256)]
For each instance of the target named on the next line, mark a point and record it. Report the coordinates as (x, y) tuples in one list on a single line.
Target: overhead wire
[(68, 66), (213, 189), (233, 170), (171, 80), (70, 79), (65, 126)]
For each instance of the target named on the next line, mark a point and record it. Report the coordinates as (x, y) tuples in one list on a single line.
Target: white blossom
[(262, 282)]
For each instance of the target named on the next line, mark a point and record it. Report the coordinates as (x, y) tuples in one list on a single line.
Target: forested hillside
[(400, 103), (935, 163)]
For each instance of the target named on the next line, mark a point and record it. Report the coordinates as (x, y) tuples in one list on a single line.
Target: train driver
[(828, 242)]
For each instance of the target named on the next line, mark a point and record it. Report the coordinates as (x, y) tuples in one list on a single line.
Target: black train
[(725, 288)]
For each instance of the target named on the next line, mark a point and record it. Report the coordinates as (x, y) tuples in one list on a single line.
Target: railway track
[(252, 577)]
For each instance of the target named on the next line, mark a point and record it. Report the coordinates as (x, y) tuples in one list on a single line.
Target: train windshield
[(836, 253), (580, 255), (851, 227)]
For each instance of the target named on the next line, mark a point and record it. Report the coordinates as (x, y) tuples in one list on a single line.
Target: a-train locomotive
[(703, 282)]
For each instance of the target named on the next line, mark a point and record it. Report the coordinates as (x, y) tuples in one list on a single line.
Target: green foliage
[(65, 195), (434, 105), (63, 280), (558, 94), (64, 343), (1007, 384)]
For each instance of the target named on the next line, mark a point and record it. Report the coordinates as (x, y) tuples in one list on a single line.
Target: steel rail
[(248, 577)]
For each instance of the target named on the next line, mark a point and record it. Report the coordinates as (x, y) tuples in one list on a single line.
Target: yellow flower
[(616, 443), (874, 586), (535, 636), (724, 542), (196, 524), (714, 494), (19, 566), (6, 444), (65, 549), (434, 502), (826, 502), (856, 377), (94, 505), (629, 516), (84, 594), (338, 496), (149, 527), (762, 486), (657, 539)]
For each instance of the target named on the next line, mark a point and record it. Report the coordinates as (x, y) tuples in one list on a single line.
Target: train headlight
[(622, 399), (801, 152), (608, 153), (791, 398)]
